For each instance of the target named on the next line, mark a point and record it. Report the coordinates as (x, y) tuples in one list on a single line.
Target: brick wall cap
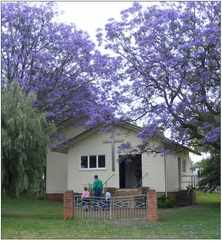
[(69, 191), (151, 190)]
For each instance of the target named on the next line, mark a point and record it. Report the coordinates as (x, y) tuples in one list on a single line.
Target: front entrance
[(130, 173)]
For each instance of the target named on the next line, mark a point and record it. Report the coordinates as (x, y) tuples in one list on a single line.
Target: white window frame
[(88, 162), (184, 166)]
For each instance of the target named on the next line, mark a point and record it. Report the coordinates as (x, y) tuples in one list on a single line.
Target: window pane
[(184, 166), (92, 161), (84, 162), (101, 161)]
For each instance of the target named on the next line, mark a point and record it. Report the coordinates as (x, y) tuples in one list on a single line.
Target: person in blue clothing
[(97, 189)]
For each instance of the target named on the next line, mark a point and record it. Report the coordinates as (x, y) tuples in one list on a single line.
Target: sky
[(89, 16)]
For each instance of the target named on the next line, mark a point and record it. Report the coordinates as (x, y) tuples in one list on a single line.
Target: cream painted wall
[(93, 145), (185, 180), (69, 131), (154, 166), (172, 180), (56, 172), (64, 172)]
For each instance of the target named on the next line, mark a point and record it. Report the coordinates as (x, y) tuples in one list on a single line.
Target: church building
[(72, 168)]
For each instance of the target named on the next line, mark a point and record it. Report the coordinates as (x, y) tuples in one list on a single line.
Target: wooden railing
[(190, 182), (140, 181), (108, 180), (90, 185)]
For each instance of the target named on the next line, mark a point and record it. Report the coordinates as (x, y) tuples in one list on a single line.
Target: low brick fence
[(54, 196), (68, 203), (152, 205)]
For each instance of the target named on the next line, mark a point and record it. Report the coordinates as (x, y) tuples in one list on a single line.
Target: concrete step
[(126, 192)]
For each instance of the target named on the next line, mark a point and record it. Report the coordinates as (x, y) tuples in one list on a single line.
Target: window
[(84, 162), (184, 166), (92, 161), (88, 162), (101, 161)]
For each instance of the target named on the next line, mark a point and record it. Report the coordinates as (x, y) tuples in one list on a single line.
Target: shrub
[(162, 202)]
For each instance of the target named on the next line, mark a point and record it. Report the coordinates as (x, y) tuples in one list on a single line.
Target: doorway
[(127, 172)]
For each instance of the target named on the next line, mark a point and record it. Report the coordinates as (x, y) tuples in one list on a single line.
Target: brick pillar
[(152, 205), (132, 202), (68, 204)]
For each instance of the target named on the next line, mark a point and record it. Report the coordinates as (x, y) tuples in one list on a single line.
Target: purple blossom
[(173, 67), (165, 67)]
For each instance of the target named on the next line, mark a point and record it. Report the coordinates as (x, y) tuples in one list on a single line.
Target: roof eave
[(84, 134)]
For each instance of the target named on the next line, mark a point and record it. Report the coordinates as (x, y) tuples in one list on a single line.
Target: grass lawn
[(30, 218)]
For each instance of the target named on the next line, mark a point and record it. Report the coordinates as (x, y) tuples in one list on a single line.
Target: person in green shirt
[(97, 189)]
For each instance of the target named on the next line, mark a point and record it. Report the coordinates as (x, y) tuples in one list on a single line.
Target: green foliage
[(209, 169), (162, 202), (24, 137)]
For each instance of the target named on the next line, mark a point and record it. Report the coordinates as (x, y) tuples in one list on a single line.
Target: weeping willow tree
[(24, 138)]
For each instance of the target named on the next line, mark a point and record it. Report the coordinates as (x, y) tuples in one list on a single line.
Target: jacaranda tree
[(57, 63), (164, 65), (170, 61), (24, 137), (170, 64), (52, 59)]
